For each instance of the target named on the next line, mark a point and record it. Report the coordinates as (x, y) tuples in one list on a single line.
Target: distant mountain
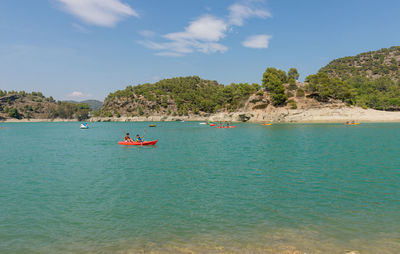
[(93, 104)]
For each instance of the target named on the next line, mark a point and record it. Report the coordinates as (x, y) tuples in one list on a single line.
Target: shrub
[(13, 112), (108, 114), (289, 94), (140, 111), (300, 93), (292, 104), (261, 106), (292, 87)]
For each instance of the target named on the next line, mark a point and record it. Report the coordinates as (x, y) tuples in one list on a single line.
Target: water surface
[(316, 188)]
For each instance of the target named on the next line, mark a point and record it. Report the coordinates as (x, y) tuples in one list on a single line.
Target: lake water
[(316, 188)]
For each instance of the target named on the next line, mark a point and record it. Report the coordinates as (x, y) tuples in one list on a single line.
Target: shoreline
[(105, 120), (277, 115)]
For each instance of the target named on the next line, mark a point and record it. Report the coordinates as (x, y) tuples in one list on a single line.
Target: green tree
[(82, 111), (273, 80), (325, 87), (13, 112), (293, 73)]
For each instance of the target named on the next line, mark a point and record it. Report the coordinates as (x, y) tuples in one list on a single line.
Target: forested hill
[(369, 80), (372, 65), (177, 96), (23, 105)]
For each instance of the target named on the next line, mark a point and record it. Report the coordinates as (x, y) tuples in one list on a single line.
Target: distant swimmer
[(127, 138)]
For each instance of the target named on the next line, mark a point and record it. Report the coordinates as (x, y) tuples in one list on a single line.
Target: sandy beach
[(335, 114)]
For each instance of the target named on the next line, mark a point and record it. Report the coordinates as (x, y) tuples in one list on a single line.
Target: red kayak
[(213, 124), (144, 143), (226, 127)]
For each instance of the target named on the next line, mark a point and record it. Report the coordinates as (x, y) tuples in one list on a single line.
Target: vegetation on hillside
[(273, 80), (369, 80), (20, 104), (372, 65), (182, 96)]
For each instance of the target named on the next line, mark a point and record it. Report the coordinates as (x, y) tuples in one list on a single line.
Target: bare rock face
[(244, 117)]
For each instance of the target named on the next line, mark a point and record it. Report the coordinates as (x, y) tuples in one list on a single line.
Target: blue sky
[(85, 49)]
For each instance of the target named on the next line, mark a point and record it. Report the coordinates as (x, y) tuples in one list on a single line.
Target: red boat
[(144, 143), (226, 127), (213, 124)]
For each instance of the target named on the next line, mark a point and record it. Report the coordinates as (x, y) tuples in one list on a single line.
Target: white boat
[(202, 123), (84, 126)]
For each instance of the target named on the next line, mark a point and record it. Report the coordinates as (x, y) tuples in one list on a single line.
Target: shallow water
[(316, 188)]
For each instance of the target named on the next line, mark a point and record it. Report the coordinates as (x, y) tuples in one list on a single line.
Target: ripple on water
[(291, 188)]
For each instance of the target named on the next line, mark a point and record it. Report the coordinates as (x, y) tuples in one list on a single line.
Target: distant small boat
[(202, 123), (84, 126), (226, 127), (267, 124), (213, 124), (152, 125), (351, 123)]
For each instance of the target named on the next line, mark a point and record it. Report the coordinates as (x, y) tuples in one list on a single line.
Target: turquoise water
[(317, 188)]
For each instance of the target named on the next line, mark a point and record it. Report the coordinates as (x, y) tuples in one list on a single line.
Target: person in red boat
[(139, 139), (127, 138)]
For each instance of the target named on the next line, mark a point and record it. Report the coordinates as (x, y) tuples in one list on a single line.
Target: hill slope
[(369, 80), (33, 105), (177, 96), (371, 65)]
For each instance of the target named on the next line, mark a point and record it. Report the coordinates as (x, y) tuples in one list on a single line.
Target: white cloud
[(260, 41), (204, 34), (238, 12), (98, 12), (206, 28), (78, 95)]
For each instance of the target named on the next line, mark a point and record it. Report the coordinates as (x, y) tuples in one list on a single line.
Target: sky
[(85, 49)]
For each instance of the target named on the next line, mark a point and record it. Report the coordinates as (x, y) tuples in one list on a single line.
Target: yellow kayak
[(352, 123), (265, 124)]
